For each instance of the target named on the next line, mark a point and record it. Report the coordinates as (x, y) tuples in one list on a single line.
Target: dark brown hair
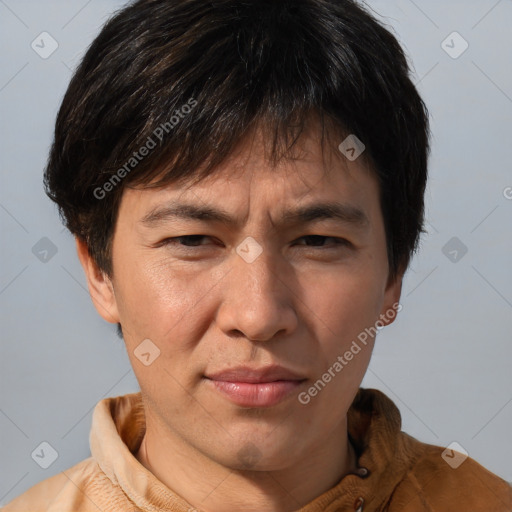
[(188, 79)]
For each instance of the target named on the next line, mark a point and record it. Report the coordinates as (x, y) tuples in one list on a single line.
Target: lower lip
[(264, 394)]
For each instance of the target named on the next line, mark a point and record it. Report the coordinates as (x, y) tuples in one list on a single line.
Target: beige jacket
[(397, 473)]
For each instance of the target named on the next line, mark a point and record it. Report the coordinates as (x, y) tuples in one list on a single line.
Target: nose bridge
[(256, 265), (257, 285), (256, 300)]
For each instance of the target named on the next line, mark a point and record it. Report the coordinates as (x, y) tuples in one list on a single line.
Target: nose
[(258, 299)]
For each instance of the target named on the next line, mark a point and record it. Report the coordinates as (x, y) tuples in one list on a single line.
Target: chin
[(260, 452)]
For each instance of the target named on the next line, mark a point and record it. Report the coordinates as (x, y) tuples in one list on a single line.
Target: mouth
[(256, 387)]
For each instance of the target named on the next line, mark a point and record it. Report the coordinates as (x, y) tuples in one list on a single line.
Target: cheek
[(346, 305), (155, 299), (343, 304), (344, 301), (170, 308)]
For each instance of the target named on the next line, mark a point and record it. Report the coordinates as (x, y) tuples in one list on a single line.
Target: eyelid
[(174, 240), (337, 241)]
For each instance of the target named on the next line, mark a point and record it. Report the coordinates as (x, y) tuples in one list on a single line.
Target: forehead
[(310, 158), (312, 169)]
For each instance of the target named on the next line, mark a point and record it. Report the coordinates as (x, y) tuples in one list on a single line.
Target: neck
[(212, 487)]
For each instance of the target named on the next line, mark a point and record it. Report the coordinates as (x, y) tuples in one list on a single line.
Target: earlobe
[(99, 284)]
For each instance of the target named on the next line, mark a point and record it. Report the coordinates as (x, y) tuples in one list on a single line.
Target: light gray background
[(445, 361)]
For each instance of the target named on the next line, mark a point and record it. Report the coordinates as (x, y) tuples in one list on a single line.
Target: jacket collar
[(374, 425)]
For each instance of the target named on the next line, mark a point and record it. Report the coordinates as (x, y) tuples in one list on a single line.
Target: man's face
[(246, 327)]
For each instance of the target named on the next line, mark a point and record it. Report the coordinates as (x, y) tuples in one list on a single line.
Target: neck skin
[(211, 487)]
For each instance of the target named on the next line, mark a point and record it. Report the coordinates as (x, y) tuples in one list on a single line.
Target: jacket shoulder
[(66, 491), (445, 480)]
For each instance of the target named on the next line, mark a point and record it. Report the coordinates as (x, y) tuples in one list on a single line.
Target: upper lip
[(255, 375)]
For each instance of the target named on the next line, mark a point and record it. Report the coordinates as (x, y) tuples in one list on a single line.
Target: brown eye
[(319, 241), (185, 240)]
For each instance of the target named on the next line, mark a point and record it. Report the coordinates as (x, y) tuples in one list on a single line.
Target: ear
[(391, 304), (100, 285)]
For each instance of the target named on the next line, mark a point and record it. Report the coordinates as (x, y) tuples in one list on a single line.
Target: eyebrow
[(345, 213)]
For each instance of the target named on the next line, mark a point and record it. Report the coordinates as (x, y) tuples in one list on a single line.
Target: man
[(245, 184)]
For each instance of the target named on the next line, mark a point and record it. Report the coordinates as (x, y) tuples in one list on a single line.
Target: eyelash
[(177, 239)]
